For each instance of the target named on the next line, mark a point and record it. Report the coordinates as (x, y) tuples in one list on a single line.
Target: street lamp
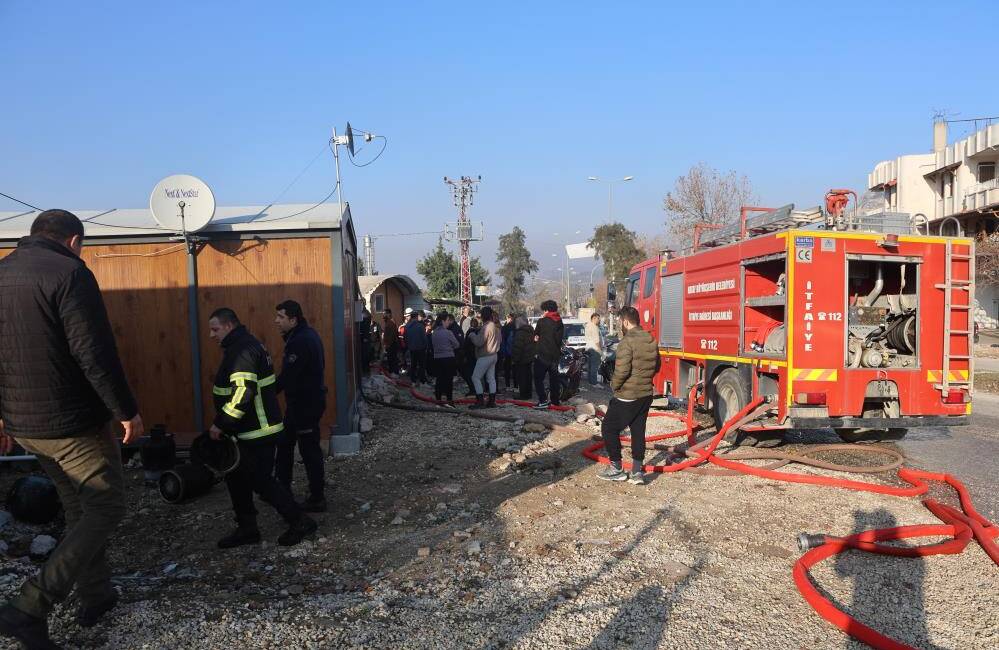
[(610, 191), (591, 275)]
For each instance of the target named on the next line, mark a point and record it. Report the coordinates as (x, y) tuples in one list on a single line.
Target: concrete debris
[(42, 545), (398, 521), (586, 409), (423, 551), (534, 427), (366, 425), (503, 442), (474, 548)]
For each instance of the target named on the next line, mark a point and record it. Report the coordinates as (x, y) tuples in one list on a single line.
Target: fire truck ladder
[(949, 286), (783, 218)]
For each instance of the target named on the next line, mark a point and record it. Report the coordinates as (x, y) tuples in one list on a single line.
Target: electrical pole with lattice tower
[(462, 191)]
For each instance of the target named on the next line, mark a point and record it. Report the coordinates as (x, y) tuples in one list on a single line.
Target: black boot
[(31, 631), (314, 504), (296, 532), (245, 533), (492, 401), (479, 403), (90, 615)]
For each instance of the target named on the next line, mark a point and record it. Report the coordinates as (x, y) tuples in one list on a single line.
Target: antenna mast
[(462, 191)]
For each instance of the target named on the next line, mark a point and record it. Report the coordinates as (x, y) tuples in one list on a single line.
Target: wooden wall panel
[(253, 276), (145, 291)]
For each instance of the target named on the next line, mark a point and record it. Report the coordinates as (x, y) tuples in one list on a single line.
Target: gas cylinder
[(33, 499), (158, 453)]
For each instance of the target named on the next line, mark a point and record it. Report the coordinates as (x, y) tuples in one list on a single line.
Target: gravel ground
[(448, 532)]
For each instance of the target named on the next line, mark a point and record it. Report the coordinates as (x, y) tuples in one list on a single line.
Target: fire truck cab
[(858, 323)]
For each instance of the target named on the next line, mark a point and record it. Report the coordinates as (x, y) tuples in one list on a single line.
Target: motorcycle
[(570, 371), (607, 363)]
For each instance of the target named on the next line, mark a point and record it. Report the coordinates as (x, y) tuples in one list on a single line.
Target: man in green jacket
[(636, 363)]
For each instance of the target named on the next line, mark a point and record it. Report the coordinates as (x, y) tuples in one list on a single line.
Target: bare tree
[(652, 245), (987, 259), (704, 195)]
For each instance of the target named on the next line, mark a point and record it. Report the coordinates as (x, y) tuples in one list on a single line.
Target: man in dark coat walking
[(61, 384), (247, 409), (303, 382)]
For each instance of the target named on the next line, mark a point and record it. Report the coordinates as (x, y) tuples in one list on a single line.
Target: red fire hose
[(960, 526)]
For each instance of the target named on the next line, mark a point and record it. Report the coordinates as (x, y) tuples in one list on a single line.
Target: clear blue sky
[(102, 99)]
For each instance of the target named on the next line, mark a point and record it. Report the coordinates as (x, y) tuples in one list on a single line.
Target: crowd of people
[(478, 346), (481, 346)]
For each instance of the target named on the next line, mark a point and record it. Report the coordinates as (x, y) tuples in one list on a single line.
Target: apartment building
[(954, 186)]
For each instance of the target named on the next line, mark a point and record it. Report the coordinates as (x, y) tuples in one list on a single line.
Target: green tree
[(441, 270), (515, 265), (618, 248)]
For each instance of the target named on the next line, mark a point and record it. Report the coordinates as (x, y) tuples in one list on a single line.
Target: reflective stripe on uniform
[(260, 433), (258, 402), (252, 376), (231, 410), (221, 390), (267, 381)]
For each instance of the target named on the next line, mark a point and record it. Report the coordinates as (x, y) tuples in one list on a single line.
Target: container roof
[(369, 283), (136, 222)]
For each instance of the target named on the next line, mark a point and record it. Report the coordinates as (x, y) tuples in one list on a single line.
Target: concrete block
[(346, 444)]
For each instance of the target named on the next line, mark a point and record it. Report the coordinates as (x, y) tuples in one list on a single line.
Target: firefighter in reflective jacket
[(246, 408)]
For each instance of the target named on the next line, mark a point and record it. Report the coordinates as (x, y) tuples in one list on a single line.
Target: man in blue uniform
[(246, 408), (301, 379)]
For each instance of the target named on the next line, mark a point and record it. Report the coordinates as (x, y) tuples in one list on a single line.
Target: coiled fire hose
[(960, 526)]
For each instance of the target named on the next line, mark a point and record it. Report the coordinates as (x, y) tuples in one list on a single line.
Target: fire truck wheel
[(729, 396)]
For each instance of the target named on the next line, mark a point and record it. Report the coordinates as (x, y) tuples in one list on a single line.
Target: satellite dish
[(350, 139), (182, 203)]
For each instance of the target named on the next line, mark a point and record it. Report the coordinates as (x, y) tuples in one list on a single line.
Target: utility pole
[(462, 191)]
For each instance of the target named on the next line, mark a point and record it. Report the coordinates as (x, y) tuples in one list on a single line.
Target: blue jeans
[(593, 357)]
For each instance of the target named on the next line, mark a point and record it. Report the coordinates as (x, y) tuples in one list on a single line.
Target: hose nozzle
[(806, 541)]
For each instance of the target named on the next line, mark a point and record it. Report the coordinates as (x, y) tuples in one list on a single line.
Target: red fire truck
[(855, 322)]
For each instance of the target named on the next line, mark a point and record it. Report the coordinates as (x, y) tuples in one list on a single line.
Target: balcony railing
[(983, 186)]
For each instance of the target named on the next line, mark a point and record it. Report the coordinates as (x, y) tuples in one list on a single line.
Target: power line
[(288, 216), (33, 207)]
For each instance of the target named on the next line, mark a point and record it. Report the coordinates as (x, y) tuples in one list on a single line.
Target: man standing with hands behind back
[(61, 384), (302, 380), (636, 363)]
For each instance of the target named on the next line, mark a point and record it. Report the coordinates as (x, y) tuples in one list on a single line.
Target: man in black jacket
[(246, 408), (302, 380), (548, 336), (61, 383)]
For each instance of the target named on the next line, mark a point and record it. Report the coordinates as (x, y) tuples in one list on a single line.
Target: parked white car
[(574, 335)]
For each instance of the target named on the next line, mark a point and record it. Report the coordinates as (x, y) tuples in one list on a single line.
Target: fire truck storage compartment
[(882, 303), (671, 311), (764, 290)]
